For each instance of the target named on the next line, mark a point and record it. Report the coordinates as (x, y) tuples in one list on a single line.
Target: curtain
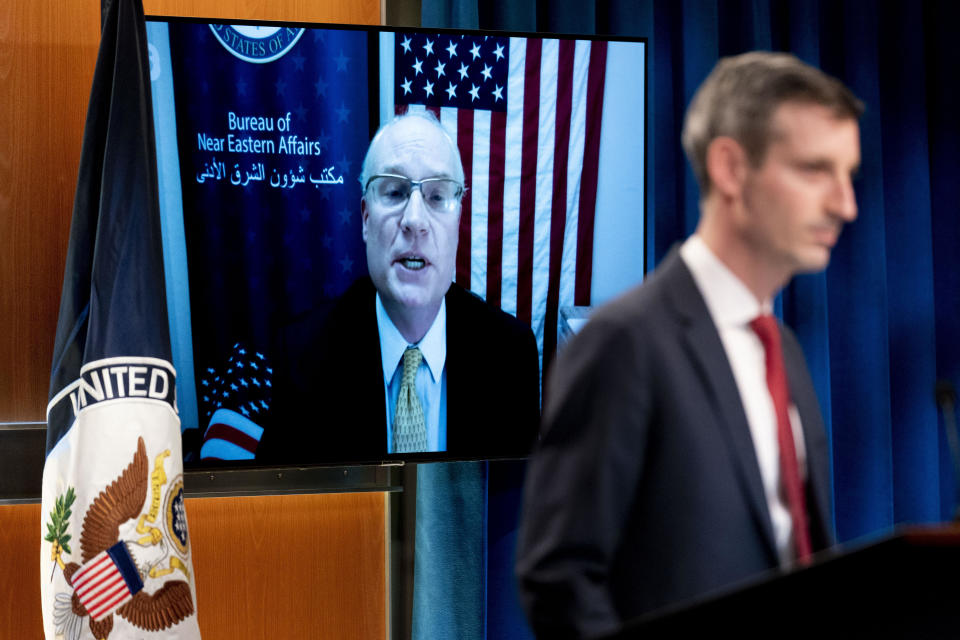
[(882, 324)]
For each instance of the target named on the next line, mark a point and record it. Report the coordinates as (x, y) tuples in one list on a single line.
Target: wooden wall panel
[(20, 615), (47, 53), (48, 50), (305, 566)]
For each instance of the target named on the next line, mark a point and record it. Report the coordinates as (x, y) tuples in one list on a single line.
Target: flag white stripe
[(386, 77), (448, 118), (544, 193), (511, 186), (578, 116), (479, 202), (237, 421), (225, 450)]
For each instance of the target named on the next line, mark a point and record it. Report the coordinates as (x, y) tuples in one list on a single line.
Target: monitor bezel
[(198, 467)]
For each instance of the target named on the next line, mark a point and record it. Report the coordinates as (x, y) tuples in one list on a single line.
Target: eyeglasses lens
[(439, 194)]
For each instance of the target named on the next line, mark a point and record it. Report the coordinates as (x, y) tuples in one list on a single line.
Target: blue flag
[(115, 551)]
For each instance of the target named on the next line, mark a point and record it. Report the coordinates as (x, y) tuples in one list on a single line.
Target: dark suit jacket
[(331, 405), (645, 488)]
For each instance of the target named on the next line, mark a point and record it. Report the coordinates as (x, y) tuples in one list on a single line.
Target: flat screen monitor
[(321, 314)]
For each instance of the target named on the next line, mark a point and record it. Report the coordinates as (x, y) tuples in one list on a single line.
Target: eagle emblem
[(148, 556)]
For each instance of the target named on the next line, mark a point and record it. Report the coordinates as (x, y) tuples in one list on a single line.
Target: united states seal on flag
[(115, 552)]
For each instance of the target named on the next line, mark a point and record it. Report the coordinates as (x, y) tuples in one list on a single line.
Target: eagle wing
[(119, 502), (169, 605)]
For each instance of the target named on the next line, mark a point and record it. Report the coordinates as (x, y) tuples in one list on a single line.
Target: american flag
[(526, 115), (236, 398), (107, 581)]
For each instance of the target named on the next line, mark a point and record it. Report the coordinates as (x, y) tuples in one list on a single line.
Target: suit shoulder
[(657, 300), (359, 298), (637, 322), (467, 308), (640, 304)]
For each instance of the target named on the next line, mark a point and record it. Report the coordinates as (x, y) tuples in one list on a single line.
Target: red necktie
[(766, 329)]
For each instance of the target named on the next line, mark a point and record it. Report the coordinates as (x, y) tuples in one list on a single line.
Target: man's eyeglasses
[(441, 195)]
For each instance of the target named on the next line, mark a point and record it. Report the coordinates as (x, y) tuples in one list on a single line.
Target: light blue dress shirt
[(431, 381)]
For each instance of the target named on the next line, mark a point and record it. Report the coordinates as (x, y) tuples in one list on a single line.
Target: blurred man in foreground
[(683, 448)]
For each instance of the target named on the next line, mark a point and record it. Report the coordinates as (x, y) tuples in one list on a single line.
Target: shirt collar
[(433, 345), (728, 299)]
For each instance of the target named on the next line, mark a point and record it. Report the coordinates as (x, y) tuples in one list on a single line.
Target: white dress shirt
[(732, 306), (431, 381)]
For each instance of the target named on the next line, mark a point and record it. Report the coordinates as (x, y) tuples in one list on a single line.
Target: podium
[(903, 586)]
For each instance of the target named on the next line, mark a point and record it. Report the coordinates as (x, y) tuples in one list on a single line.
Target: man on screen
[(407, 361), (683, 448)]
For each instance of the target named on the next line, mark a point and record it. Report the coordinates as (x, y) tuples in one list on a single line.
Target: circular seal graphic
[(257, 44), (175, 517)]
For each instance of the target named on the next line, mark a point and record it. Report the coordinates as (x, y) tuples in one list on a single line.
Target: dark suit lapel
[(706, 351), (457, 332)]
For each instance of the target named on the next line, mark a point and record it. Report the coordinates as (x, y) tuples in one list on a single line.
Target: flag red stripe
[(465, 144), (435, 111), (102, 597), (588, 177), (93, 576), (121, 594), (90, 591), (230, 434), (558, 213), (498, 134), (94, 592), (400, 109), (95, 566), (528, 178)]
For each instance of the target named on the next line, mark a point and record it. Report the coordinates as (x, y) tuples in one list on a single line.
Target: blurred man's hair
[(740, 95), (428, 116)]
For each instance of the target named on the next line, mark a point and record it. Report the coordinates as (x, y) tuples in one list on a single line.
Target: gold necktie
[(409, 427)]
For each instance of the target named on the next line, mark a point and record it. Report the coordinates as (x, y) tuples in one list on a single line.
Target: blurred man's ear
[(727, 166), (364, 215)]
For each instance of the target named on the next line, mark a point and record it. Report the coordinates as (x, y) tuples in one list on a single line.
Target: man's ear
[(727, 165), (364, 215)]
